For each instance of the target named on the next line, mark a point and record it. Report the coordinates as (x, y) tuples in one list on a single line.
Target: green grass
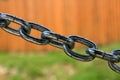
[(54, 65)]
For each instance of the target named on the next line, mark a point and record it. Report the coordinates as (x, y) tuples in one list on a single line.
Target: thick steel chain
[(57, 40)]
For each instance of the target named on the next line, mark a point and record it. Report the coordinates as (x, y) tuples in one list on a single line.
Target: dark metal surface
[(16, 20), (112, 64), (76, 55), (57, 40), (27, 36)]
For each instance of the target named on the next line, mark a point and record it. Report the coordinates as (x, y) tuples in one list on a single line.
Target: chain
[(65, 43)]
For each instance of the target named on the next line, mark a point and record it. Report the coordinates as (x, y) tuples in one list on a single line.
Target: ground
[(54, 65)]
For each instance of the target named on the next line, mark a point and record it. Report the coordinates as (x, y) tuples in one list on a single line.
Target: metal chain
[(57, 40)]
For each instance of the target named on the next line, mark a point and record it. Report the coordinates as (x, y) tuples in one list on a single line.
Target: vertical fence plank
[(12, 39), (3, 38), (20, 13), (98, 20), (101, 26)]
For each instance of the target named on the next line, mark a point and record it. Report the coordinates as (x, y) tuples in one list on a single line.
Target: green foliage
[(16, 77), (55, 66)]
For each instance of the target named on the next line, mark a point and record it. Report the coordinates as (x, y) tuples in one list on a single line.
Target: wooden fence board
[(97, 20)]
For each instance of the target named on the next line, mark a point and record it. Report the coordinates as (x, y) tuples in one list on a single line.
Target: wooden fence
[(97, 20)]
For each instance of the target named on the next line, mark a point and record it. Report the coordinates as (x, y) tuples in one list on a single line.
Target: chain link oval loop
[(4, 23), (103, 55), (78, 56), (66, 43), (27, 36), (58, 40), (112, 64), (16, 20)]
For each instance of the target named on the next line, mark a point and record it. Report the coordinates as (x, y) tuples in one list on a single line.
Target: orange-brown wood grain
[(97, 20)]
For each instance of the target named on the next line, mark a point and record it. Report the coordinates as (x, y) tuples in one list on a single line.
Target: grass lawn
[(54, 66)]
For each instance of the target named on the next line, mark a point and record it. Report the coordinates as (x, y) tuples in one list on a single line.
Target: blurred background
[(97, 20)]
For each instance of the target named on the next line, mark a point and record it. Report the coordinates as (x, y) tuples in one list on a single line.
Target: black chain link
[(65, 43)]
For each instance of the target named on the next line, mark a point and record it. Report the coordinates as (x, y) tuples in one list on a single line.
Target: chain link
[(57, 40)]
